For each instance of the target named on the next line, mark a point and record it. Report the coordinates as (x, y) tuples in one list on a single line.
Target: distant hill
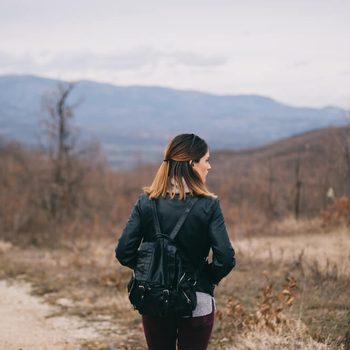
[(314, 142), (135, 123), (267, 176)]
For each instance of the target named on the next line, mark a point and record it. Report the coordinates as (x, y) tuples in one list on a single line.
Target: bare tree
[(59, 141), (342, 157), (298, 185), (345, 136), (328, 172), (271, 205)]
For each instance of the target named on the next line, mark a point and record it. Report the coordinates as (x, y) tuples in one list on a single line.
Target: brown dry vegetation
[(256, 187), (263, 182), (289, 289), (296, 299)]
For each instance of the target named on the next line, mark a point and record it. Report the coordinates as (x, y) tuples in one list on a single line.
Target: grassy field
[(288, 291)]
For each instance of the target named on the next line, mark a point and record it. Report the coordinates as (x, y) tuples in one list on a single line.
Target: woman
[(181, 175)]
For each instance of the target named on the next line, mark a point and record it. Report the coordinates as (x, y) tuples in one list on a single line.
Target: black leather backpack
[(159, 285)]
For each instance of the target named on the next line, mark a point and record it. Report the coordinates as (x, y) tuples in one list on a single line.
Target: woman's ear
[(191, 162)]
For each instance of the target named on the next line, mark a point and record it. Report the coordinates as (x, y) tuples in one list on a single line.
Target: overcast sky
[(297, 52)]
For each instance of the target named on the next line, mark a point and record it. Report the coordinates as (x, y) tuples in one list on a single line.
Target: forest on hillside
[(64, 187)]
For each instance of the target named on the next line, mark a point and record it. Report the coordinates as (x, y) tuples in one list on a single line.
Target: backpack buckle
[(166, 295), (142, 290)]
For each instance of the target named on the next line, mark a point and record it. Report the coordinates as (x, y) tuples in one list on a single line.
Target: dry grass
[(320, 263), (286, 292), (328, 250), (265, 340)]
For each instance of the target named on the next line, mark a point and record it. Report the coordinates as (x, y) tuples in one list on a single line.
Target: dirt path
[(25, 322)]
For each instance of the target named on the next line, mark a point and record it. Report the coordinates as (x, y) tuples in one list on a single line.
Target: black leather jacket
[(203, 229)]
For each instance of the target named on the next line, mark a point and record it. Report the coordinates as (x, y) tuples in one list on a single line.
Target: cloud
[(134, 59), (300, 64), (194, 59), (10, 63), (122, 60)]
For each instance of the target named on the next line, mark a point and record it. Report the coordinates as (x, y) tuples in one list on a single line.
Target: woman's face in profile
[(203, 166)]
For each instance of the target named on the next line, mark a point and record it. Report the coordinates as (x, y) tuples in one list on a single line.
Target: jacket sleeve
[(223, 253), (130, 239)]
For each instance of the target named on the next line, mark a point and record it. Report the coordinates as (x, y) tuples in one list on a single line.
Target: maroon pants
[(191, 333)]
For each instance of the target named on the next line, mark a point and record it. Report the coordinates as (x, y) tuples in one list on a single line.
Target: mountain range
[(135, 123)]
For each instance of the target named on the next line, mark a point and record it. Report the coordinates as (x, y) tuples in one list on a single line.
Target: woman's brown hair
[(179, 152)]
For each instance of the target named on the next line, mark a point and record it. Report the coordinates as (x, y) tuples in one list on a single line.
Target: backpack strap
[(155, 217), (179, 223), (182, 219)]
